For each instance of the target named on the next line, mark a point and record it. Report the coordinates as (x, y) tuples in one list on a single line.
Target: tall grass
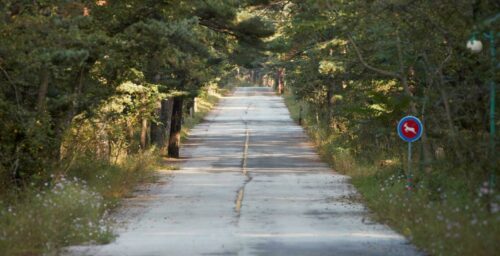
[(65, 213), (72, 208), (443, 215)]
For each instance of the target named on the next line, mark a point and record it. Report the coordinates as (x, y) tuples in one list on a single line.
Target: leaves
[(100, 67)]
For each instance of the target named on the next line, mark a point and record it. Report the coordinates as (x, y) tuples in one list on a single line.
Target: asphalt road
[(251, 184)]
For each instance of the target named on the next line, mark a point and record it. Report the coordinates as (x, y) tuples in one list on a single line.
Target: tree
[(372, 62), (85, 77)]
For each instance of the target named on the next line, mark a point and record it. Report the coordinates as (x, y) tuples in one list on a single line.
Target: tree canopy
[(67, 65)]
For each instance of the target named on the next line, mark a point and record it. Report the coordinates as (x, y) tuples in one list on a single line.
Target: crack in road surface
[(294, 205), (241, 190)]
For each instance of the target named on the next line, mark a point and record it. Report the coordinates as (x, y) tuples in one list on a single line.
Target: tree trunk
[(130, 136), (403, 78), (276, 81), (413, 108), (175, 129), (280, 76), (329, 98), (160, 131), (76, 94), (144, 133), (73, 108), (42, 91), (167, 107), (190, 107)]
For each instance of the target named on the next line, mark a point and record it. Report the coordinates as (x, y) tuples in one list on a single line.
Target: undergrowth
[(443, 215), (69, 209), (73, 206)]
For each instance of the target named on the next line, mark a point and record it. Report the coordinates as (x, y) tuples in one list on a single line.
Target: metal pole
[(491, 37), (409, 178)]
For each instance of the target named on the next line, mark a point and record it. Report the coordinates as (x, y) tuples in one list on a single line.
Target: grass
[(72, 209), (115, 181), (443, 215), (69, 212)]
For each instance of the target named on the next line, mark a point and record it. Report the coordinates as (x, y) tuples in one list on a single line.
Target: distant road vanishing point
[(251, 184)]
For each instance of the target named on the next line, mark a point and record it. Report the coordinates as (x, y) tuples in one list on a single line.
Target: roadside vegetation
[(75, 208), (94, 96), (442, 216), (355, 68), (70, 209), (93, 93)]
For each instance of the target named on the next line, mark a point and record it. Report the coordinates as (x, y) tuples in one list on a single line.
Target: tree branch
[(16, 93), (217, 28), (363, 61), (368, 66)]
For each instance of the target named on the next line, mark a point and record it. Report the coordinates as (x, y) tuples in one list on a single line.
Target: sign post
[(410, 130)]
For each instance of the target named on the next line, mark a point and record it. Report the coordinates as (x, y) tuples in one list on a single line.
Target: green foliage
[(444, 215), (79, 81), (357, 67), (81, 76), (371, 71)]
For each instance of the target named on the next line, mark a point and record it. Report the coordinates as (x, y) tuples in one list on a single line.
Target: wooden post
[(190, 107), (195, 105), (156, 127)]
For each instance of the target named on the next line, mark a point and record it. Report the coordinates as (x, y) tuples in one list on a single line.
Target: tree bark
[(144, 133), (276, 81), (167, 107), (73, 108), (130, 136), (413, 108), (329, 96), (42, 90), (281, 82), (160, 131), (175, 129), (403, 78), (190, 107)]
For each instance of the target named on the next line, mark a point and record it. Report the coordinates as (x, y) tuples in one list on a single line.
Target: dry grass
[(442, 216)]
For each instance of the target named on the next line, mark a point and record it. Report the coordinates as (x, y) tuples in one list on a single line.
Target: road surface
[(251, 184)]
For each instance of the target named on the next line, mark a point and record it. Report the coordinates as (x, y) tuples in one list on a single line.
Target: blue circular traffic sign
[(410, 128)]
